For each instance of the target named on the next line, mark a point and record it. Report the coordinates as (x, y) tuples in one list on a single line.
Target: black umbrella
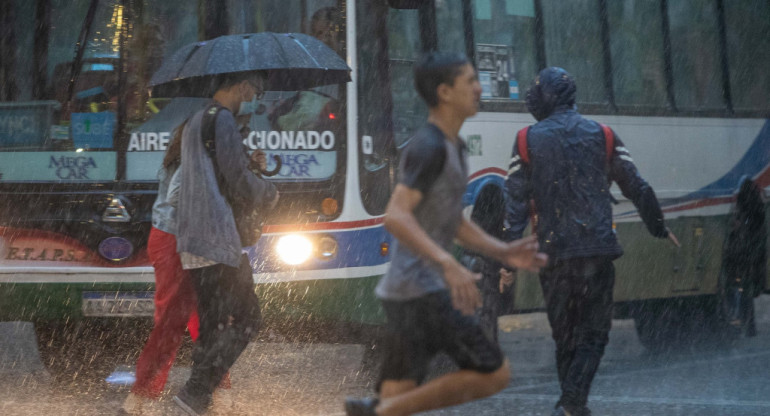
[(292, 61)]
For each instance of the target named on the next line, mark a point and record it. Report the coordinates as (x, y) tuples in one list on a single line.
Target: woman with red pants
[(175, 300)]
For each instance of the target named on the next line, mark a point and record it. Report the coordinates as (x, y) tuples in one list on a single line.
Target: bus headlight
[(294, 249)]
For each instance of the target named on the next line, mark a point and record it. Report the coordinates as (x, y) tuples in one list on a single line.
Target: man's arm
[(638, 191), (234, 163), (520, 253), (402, 224)]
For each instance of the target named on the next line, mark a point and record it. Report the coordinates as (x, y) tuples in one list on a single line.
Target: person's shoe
[(361, 407), (132, 405), (193, 406), (560, 411), (222, 402)]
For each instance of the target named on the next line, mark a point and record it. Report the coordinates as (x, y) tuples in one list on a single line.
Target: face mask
[(248, 107)]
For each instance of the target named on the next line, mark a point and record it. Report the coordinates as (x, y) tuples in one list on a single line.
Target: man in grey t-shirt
[(428, 297)]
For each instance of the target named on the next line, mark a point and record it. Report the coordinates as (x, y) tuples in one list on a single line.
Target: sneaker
[(560, 411), (222, 402), (361, 407), (132, 405), (193, 406)]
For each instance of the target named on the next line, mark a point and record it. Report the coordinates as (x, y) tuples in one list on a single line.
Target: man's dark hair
[(434, 69)]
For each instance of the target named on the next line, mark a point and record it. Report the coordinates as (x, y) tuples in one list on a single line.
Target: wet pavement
[(279, 377)]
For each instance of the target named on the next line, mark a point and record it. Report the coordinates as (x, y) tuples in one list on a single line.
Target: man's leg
[(556, 283), (224, 330), (440, 327), (449, 390), (591, 331)]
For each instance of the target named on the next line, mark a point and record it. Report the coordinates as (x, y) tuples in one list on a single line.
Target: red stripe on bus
[(487, 171), (319, 226), (701, 204)]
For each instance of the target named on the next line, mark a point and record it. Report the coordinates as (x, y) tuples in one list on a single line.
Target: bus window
[(160, 29), (748, 23), (409, 111), (449, 21), (573, 42), (504, 32), (636, 44), (54, 132), (695, 55)]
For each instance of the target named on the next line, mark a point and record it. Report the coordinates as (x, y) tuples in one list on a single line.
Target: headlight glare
[(294, 249)]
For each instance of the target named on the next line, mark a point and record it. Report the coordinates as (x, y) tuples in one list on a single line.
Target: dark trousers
[(578, 296), (229, 315)]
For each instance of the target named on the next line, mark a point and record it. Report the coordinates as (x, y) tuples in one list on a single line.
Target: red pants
[(175, 309)]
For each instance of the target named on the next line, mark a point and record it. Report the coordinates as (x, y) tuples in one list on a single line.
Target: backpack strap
[(208, 135), (609, 141), (523, 148), (521, 144)]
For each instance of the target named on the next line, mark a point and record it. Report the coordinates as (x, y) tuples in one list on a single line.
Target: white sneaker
[(132, 405)]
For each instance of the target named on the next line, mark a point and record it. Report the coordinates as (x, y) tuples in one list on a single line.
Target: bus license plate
[(118, 304)]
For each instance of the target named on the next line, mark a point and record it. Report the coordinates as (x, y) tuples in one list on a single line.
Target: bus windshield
[(85, 113)]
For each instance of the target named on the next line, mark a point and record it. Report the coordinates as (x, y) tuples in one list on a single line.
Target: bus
[(681, 83), (82, 138)]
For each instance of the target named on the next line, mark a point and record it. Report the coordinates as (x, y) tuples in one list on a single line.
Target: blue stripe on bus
[(476, 185), (754, 161), (356, 248)]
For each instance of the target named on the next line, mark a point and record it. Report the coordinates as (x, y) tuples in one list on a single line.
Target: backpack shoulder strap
[(208, 135), (521, 144), (208, 128), (609, 141)]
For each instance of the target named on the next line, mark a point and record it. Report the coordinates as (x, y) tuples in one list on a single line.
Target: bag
[(523, 148), (249, 219)]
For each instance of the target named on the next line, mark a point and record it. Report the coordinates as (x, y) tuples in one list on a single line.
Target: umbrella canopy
[(292, 61)]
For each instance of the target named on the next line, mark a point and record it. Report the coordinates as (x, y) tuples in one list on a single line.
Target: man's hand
[(260, 158), (462, 286), (673, 238), (507, 277), (522, 254)]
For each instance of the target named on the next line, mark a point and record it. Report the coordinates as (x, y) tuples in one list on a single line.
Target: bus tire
[(664, 324), (658, 324)]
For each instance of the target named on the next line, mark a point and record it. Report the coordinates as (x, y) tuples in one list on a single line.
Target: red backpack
[(521, 143)]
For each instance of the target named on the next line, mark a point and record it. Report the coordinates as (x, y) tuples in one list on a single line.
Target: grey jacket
[(206, 227)]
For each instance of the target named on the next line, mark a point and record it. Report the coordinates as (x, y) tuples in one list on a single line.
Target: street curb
[(20, 363)]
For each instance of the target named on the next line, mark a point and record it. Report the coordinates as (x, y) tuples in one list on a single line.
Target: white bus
[(683, 84)]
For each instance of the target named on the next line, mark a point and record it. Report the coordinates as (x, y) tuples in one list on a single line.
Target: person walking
[(744, 262), (428, 297), (560, 172), (174, 298), (214, 173)]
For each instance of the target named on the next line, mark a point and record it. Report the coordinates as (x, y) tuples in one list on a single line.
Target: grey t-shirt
[(437, 168)]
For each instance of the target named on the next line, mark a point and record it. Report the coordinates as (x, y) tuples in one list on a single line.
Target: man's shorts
[(420, 328)]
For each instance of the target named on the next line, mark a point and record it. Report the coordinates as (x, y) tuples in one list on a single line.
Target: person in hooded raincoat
[(566, 184)]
